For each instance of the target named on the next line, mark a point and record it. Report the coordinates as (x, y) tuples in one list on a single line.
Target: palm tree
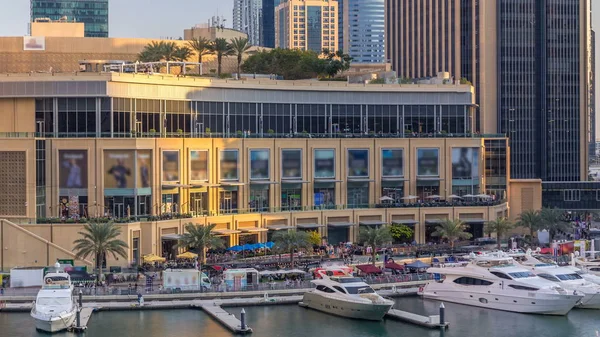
[(169, 51), (97, 240), (500, 226), (221, 47), (452, 230), (152, 52), (551, 220), (200, 239), (182, 54), (531, 220), (240, 46), (375, 237), (202, 47), (290, 241)]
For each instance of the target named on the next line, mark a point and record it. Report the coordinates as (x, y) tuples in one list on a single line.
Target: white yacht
[(496, 282), (348, 297), (55, 308), (567, 278)]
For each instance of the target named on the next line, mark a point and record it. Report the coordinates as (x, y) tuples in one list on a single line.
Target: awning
[(394, 179), (294, 181), (429, 178), (394, 266), (473, 220), (360, 180), (328, 181), (253, 230), (279, 227), (263, 182), (204, 185), (232, 183), (171, 237), (340, 224), (372, 223), (309, 225), (171, 186), (225, 231), (369, 269), (434, 221), (404, 222)]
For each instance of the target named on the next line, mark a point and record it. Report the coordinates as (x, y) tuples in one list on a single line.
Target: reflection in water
[(293, 321)]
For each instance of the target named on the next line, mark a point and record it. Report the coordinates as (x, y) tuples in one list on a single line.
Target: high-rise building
[(247, 18), (268, 22), (361, 29), (93, 13), (307, 25), (528, 61), (592, 140)]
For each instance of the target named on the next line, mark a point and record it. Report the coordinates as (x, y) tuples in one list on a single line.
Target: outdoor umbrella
[(410, 197), (386, 198), (468, 196), (417, 264), (433, 197), (454, 196), (269, 245), (153, 258), (483, 196), (187, 255), (235, 249), (247, 247)]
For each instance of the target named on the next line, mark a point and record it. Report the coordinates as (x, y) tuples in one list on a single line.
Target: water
[(293, 321)]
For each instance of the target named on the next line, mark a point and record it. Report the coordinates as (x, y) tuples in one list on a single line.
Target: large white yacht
[(346, 296), (496, 282), (54, 308), (567, 277)]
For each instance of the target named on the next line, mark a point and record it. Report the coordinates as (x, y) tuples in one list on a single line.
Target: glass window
[(259, 164), (392, 163), (325, 163), (170, 166), (428, 162), (358, 163), (291, 164), (198, 165), (229, 165)]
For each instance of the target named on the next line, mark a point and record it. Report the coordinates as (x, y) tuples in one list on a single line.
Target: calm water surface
[(293, 321)]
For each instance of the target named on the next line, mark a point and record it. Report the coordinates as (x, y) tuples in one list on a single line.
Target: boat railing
[(47, 316)]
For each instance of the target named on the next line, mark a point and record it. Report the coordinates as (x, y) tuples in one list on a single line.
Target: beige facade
[(294, 19), (58, 29), (211, 33)]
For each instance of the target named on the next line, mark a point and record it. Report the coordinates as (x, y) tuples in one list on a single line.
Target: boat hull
[(55, 323), (338, 307), (542, 304)]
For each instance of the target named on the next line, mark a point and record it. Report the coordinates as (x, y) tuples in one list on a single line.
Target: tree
[(531, 220), (500, 226), (552, 221), (199, 239), (334, 63), (240, 46), (182, 54), (452, 230), (98, 240), (315, 238), (292, 64), (375, 237), (401, 232), (291, 241), (221, 48), (202, 47)]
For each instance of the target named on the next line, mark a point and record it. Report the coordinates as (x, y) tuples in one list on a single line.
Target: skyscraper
[(528, 60), (268, 22), (93, 13), (361, 29), (247, 18), (307, 25)]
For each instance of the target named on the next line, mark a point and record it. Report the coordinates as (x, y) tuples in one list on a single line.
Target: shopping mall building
[(252, 157)]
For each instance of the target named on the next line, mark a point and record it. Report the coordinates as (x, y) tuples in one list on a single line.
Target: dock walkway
[(431, 322)]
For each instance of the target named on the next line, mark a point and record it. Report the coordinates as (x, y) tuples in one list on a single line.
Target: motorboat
[(55, 308), (495, 281), (346, 296), (567, 277)]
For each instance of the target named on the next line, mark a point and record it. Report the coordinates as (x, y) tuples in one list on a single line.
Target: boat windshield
[(568, 277), (53, 301), (360, 290), (522, 274)]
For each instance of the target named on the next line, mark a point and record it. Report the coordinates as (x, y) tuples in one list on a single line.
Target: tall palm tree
[(500, 226), (169, 51), (375, 237), (452, 230), (240, 46), (552, 221), (202, 47), (221, 48), (200, 238), (291, 241), (98, 240), (152, 52), (531, 220), (182, 54)]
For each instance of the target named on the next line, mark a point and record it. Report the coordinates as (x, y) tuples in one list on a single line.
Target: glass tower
[(268, 22), (362, 29), (93, 13)]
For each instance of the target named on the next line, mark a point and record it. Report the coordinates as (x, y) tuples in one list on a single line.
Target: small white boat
[(55, 308), (347, 296)]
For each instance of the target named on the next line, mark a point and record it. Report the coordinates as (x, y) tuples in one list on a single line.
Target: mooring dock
[(226, 319), (432, 322)]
